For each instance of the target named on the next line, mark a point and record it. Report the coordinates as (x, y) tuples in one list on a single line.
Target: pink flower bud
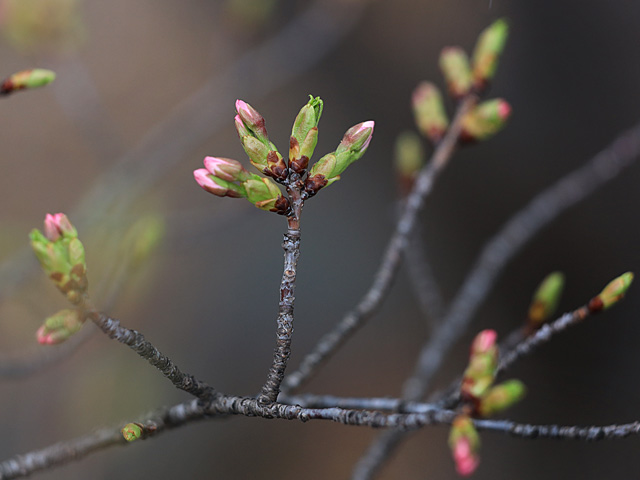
[(357, 138), (466, 460), (226, 169), (217, 186), (252, 119), (58, 225), (484, 341)]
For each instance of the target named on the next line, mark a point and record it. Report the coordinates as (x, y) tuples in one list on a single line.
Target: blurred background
[(146, 89)]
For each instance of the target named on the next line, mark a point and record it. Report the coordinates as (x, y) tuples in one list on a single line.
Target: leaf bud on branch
[(59, 327), (545, 300), (454, 64), (428, 110)]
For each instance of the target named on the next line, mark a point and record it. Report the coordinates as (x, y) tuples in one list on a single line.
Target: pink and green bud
[(304, 134), (252, 120), (409, 159), (255, 141), (454, 64), (612, 293), (484, 342), (265, 194), (328, 169), (485, 120), (59, 327), (487, 52), (132, 431), (57, 225), (226, 169), (501, 397), (217, 186), (464, 443), (61, 255), (428, 110), (483, 362), (545, 299), (38, 77)]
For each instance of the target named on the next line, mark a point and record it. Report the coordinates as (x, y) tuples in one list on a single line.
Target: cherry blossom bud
[(226, 169), (59, 327), (485, 120), (38, 77), (217, 186), (255, 141), (304, 134), (612, 293), (252, 120), (429, 111), (265, 194), (56, 225), (454, 64), (545, 299), (483, 362), (501, 397), (61, 255), (132, 431), (465, 445), (490, 44), (328, 169)]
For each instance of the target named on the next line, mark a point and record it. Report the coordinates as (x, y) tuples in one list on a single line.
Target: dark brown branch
[(391, 259), (284, 334), (136, 342)]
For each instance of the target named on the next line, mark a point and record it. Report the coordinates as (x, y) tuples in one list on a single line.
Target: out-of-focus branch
[(391, 259), (544, 208)]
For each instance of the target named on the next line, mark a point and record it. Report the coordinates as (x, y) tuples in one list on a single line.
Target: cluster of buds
[(481, 399), (463, 78), (227, 178), (612, 293), (26, 79), (61, 255), (545, 300), (59, 327)]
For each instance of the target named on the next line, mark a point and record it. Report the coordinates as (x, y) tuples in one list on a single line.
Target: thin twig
[(560, 432), (136, 341), (391, 259)]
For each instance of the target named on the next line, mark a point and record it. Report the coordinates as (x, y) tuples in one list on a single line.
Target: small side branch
[(560, 432), (136, 342)]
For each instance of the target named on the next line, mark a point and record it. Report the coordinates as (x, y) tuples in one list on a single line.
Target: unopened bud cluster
[(61, 255), (480, 399), (228, 178), (464, 77)]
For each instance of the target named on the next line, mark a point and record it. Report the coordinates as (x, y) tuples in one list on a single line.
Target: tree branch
[(391, 259)]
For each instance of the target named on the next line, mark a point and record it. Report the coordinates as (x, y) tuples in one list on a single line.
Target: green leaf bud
[(35, 78), (132, 431), (454, 64), (265, 194), (545, 299), (485, 120), (490, 44), (428, 110), (612, 293), (59, 327), (409, 158), (304, 134), (501, 397)]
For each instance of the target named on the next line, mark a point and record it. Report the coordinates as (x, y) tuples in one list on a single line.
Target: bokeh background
[(146, 89)]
